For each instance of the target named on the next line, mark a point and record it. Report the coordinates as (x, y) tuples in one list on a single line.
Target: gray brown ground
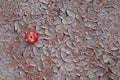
[(79, 40)]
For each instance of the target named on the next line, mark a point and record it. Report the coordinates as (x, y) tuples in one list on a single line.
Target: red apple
[(31, 37)]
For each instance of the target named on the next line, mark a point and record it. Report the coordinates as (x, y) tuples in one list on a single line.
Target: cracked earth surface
[(78, 40)]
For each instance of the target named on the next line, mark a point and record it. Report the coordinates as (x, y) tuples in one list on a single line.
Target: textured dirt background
[(79, 40)]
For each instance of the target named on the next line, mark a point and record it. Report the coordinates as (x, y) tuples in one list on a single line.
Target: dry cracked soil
[(78, 40)]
